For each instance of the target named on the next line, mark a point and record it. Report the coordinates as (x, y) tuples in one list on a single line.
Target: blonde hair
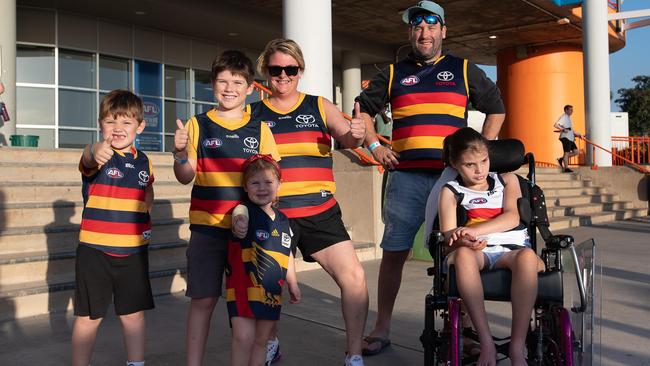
[(121, 102), (286, 46)]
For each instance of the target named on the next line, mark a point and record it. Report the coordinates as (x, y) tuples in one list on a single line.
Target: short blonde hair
[(286, 46), (121, 102)]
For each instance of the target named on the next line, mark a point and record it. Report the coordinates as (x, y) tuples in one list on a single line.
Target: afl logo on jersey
[(261, 235), (478, 201), (410, 80), (114, 173), (212, 143), (270, 124)]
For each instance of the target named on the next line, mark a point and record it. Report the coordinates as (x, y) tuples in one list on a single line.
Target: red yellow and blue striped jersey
[(422, 118), (485, 205), (257, 266), (305, 144), (115, 217), (220, 147)]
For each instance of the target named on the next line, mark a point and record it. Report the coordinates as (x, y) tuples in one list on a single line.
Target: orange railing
[(632, 148), (617, 158), (363, 157)]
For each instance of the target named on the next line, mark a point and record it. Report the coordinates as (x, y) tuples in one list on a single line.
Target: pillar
[(536, 83), (351, 79), (8, 67), (595, 43), (310, 24)]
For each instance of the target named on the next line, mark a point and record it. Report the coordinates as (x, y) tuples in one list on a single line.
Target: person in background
[(567, 137)]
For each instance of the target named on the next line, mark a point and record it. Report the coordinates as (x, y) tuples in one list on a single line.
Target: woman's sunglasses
[(289, 70), (429, 19)]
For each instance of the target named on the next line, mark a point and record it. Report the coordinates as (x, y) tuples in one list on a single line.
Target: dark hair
[(236, 62), (567, 107), (121, 102), (460, 141)]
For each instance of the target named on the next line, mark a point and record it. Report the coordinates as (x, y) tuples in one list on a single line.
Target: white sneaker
[(273, 351), (355, 360)]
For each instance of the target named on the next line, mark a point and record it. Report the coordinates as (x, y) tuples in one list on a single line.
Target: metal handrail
[(630, 162)]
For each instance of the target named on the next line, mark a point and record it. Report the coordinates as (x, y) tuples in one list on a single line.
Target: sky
[(632, 60)]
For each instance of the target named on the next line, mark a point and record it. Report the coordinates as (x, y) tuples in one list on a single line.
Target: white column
[(596, 60), (351, 79), (310, 24), (8, 66)]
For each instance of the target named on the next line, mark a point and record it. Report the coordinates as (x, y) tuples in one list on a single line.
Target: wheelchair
[(562, 327)]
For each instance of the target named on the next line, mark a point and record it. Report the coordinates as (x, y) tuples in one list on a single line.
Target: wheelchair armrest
[(435, 241), (556, 242)]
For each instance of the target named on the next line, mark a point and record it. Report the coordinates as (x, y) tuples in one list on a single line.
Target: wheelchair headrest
[(506, 155)]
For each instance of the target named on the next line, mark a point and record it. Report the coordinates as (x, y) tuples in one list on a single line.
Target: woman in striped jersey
[(303, 127)]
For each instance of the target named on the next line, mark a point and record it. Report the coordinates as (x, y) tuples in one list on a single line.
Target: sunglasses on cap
[(428, 18), (289, 70)]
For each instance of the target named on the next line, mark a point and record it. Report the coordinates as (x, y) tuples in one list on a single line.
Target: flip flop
[(383, 343)]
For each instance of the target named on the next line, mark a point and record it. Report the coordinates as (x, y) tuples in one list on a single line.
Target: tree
[(636, 102)]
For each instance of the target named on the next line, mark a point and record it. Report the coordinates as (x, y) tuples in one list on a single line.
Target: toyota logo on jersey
[(445, 76), (251, 142), (304, 119)]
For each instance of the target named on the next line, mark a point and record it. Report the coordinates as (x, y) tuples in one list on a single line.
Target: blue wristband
[(177, 159), (374, 145)]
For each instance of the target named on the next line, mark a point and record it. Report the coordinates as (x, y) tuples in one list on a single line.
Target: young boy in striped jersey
[(112, 260), (210, 150)]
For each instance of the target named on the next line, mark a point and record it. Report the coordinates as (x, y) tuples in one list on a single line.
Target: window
[(34, 106), (114, 73), (34, 65), (76, 69), (148, 78), (77, 108), (203, 86), (76, 139), (177, 82)]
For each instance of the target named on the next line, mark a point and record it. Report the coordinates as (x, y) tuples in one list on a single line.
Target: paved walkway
[(312, 332)]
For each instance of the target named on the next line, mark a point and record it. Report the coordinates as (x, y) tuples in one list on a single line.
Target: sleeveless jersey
[(257, 266), (115, 217), (218, 182), (304, 144), (485, 205), (429, 102)]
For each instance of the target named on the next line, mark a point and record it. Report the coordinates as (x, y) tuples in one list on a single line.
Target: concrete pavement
[(312, 332)]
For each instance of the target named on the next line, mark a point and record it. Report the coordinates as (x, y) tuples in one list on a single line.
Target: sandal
[(383, 343)]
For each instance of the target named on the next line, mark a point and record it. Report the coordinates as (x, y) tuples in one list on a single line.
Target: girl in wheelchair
[(492, 237)]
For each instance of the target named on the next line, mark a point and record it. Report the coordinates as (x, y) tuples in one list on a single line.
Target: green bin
[(24, 140), (419, 251)]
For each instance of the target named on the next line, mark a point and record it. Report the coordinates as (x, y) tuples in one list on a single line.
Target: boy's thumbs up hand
[(102, 150), (181, 137), (357, 126)]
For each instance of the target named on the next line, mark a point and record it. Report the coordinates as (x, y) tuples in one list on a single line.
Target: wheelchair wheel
[(455, 330), (565, 336)]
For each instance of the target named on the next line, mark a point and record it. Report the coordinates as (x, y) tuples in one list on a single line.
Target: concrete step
[(559, 223), (59, 268), (589, 208), (580, 200), (69, 156), (543, 177), (29, 192), (46, 172), (69, 212), (572, 191), (37, 298), (42, 297), (55, 239), (561, 184)]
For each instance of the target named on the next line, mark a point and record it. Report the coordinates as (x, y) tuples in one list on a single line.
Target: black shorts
[(101, 279), (568, 145), (206, 261), (314, 233)]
